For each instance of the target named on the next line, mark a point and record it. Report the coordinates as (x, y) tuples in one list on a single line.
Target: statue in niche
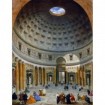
[(29, 80)]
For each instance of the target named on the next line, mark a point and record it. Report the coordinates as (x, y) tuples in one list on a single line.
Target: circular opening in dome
[(57, 11)]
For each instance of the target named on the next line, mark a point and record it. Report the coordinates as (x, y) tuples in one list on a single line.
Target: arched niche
[(29, 78), (61, 70)]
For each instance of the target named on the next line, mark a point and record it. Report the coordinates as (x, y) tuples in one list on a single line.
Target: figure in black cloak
[(14, 96), (68, 99), (25, 98), (57, 98), (87, 99)]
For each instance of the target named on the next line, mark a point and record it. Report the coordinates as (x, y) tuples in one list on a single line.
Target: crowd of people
[(24, 99), (61, 98), (65, 99), (70, 98)]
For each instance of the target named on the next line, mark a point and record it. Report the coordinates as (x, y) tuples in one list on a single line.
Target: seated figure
[(83, 97), (78, 97), (44, 92), (14, 96), (66, 87), (91, 93), (26, 90), (88, 91), (46, 86), (68, 99), (87, 99), (21, 97), (72, 98), (31, 100), (25, 98), (36, 96), (62, 98), (57, 98)]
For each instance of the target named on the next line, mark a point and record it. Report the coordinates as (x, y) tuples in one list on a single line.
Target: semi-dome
[(36, 26)]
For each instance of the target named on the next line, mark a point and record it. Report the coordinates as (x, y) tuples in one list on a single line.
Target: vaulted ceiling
[(17, 5)]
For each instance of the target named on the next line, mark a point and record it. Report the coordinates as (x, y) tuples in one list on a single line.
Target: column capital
[(20, 61), (23, 62), (13, 68), (13, 65), (16, 59)]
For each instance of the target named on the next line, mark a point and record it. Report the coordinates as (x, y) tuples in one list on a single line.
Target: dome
[(37, 27)]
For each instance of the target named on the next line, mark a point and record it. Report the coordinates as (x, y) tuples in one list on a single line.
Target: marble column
[(45, 77), (66, 77), (57, 75), (17, 75), (84, 78), (78, 70), (42, 76), (91, 76), (54, 76), (23, 75), (33, 71), (20, 75), (36, 76), (81, 75), (76, 78), (13, 76)]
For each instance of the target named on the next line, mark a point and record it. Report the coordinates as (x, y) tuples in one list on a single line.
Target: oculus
[(57, 11)]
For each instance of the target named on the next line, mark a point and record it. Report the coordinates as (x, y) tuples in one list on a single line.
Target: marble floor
[(50, 98)]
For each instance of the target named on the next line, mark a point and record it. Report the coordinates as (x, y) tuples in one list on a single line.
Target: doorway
[(61, 77)]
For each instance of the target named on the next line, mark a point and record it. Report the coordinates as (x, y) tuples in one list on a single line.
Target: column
[(38, 76), (42, 76), (45, 77), (33, 76), (84, 78), (66, 77), (13, 76), (91, 76), (54, 76), (20, 75), (17, 75), (23, 75), (78, 70), (57, 75), (76, 78), (80, 76)]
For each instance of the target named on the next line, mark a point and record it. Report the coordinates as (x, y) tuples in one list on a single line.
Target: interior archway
[(61, 70)]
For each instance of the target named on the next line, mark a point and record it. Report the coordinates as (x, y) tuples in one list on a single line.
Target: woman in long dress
[(31, 100)]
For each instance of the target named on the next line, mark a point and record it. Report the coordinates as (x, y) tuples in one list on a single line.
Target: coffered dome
[(36, 26)]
